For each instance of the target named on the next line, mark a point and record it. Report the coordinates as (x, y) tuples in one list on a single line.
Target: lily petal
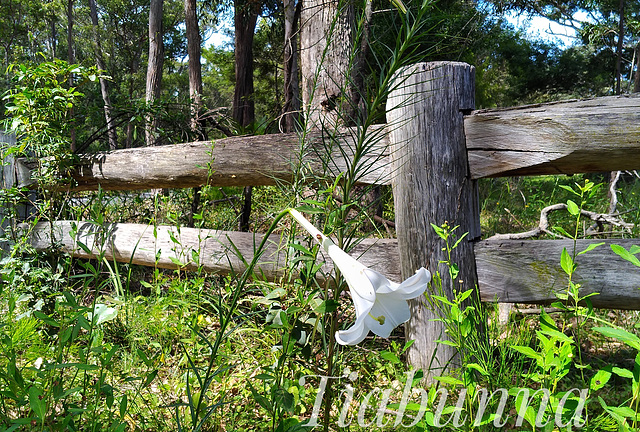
[(387, 313), (411, 288), (354, 334)]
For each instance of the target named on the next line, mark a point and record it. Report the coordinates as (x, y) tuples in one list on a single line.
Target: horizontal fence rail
[(238, 161), (600, 134), (509, 271)]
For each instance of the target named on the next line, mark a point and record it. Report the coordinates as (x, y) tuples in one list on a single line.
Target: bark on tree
[(636, 77), (154, 68), (326, 45), (71, 58), (619, 47), (195, 68), (291, 110), (246, 16), (104, 89), (195, 87)]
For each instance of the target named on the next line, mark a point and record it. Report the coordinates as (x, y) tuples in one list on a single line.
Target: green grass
[(139, 371)]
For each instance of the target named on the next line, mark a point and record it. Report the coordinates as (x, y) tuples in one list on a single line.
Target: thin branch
[(543, 225)]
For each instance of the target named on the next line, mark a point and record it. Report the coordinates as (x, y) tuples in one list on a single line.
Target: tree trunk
[(326, 41), (636, 77), (195, 87), (291, 109), (71, 58), (246, 16), (154, 68), (619, 48), (195, 67), (111, 131)]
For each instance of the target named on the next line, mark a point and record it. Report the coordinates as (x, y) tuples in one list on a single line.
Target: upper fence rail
[(579, 136)]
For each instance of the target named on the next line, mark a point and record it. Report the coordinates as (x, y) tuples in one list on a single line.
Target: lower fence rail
[(509, 271)]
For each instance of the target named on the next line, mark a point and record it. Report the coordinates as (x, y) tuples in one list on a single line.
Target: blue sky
[(535, 28)]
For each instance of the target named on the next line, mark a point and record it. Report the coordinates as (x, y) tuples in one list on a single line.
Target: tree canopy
[(511, 69)]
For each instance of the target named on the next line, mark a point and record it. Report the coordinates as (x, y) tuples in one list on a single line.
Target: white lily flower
[(381, 305)]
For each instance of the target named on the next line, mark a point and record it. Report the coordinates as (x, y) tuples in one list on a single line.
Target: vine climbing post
[(431, 184)]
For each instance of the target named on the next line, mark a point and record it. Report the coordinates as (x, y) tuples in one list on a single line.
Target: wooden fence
[(432, 151)]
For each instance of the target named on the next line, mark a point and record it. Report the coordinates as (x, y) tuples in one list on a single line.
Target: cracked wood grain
[(601, 134)]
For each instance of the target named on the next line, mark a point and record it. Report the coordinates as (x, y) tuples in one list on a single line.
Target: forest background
[(511, 68)]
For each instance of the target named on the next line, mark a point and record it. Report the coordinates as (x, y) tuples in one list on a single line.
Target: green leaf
[(176, 262), (624, 373), (529, 352), (37, 403), (123, 406), (562, 231), (265, 377), (326, 306), (316, 207), (557, 335), (389, 356), (573, 208), (570, 189), (283, 399), (46, 319), (455, 245), (262, 401), (150, 377), (600, 379), (449, 380), (622, 335), (625, 254), (566, 262), (476, 366), (591, 247)]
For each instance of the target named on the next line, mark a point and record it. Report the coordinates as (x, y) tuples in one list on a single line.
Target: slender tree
[(71, 58), (245, 19), (620, 47), (194, 48), (291, 110), (154, 68), (111, 131)]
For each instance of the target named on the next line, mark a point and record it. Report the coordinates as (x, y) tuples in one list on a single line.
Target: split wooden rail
[(432, 151)]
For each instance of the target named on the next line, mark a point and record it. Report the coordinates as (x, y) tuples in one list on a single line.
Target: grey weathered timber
[(515, 271), (216, 251), (508, 270), (237, 161), (601, 134), (7, 180), (431, 184)]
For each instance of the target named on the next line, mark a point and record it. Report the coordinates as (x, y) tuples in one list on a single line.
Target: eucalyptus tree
[(108, 108), (154, 67)]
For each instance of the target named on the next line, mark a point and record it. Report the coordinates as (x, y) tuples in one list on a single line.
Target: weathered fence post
[(7, 180), (432, 184), (13, 173)]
